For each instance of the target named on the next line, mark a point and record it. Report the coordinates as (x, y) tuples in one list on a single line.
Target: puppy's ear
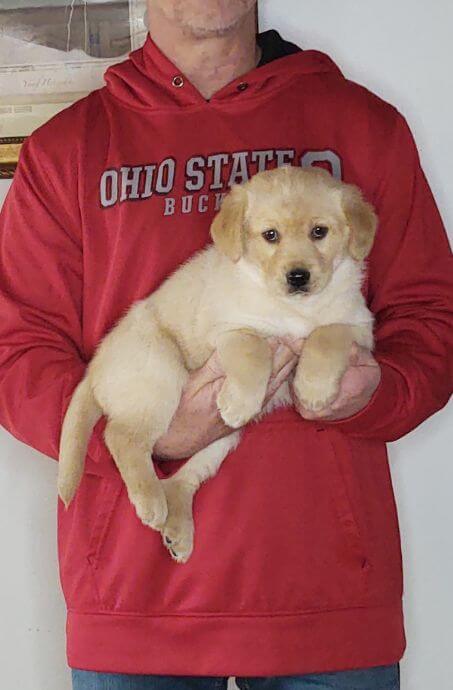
[(228, 225), (362, 221)]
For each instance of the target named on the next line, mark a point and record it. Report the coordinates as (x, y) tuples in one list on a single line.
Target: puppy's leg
[(140, 408), (247, 361), (324, 360), (132, 455), (180, 489)]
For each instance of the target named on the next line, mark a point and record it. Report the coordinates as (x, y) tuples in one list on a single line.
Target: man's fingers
[(274, 342), (209, 373), (295, 344), (276, 381), (350, 389), (361, 356), (282, 356)]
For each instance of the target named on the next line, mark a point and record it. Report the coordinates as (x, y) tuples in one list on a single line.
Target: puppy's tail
[(81, 416)]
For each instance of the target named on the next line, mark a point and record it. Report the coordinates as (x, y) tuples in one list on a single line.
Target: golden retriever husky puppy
[(287, 259)]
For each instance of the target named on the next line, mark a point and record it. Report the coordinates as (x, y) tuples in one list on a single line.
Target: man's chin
[(214, 31), (216, 23)]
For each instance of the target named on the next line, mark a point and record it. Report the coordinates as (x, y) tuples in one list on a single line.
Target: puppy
[(287, 259)]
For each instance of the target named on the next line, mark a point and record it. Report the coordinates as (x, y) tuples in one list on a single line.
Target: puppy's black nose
[(298, 278)]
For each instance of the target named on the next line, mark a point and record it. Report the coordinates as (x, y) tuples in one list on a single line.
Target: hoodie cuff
[(378, 414)]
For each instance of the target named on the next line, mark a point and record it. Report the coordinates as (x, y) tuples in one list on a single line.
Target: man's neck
[(209, 62)]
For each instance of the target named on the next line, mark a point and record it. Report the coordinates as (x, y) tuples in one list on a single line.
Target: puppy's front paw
[(178, 531), (316, 394), (236, 406), (151, 506)]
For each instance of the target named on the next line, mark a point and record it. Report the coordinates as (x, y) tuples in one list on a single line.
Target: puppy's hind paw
[(151, 507), (178, 539), (178, 531)]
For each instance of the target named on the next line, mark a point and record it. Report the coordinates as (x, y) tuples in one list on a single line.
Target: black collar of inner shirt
[(273, 47)]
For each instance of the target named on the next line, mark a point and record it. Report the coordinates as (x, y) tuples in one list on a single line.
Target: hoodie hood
[(149, 80)]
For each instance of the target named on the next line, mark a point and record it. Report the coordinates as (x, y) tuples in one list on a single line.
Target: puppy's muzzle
[(298, 280)]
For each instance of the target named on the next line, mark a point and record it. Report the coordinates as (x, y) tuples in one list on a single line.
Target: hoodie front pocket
[(276, 532), (82, 533), (341, 475), (106, 500), (295, 539)]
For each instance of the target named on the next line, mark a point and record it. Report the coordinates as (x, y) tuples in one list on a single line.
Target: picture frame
[(51, 54)]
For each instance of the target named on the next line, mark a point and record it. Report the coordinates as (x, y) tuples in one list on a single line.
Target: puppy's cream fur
[(231, 297)]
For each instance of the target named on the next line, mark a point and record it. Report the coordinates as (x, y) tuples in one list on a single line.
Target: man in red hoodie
[(295, 581)]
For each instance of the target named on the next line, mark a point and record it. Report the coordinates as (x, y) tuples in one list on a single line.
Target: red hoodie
[(297, 565)]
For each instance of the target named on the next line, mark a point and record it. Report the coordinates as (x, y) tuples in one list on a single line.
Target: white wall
[(402, 51)]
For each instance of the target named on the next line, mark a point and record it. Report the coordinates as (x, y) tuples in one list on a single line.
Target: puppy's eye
[(319, 232), (271, 235)]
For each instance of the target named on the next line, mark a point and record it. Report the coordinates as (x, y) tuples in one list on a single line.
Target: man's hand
[(197, 421), (356, 389)]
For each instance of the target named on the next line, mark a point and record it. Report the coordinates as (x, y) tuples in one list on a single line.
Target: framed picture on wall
[(53, 52)]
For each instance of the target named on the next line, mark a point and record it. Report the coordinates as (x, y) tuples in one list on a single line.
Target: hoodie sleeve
[(411, 288), (40, 296)]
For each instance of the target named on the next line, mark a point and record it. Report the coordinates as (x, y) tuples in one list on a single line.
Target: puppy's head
[(294, 226)]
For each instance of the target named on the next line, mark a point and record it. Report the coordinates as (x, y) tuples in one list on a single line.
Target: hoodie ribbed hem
[(228, 645)]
